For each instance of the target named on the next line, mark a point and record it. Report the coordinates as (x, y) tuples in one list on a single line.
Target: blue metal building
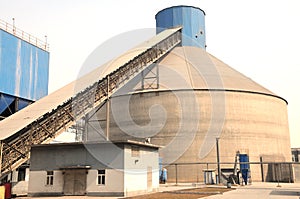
[(190, 18), (24, 69)]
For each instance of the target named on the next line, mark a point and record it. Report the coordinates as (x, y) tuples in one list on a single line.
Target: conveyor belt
[(45, 119)]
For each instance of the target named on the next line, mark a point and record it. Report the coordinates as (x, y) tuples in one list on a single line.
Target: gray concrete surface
[(253, 191), (262, 191), (162, 188)]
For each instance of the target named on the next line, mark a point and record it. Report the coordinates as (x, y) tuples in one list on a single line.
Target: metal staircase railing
[(16, 149)]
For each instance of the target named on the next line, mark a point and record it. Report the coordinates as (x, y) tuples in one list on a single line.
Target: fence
[(288, 172), (24, 36)]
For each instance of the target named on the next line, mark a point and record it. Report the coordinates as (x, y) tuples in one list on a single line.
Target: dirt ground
[(185, 193), (166, 192)]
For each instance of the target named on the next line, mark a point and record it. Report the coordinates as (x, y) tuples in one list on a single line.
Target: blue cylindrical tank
[(24, 70), (24, 67), (190, 18)]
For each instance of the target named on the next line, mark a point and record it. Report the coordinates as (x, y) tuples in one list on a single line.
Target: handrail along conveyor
[(15, 145)]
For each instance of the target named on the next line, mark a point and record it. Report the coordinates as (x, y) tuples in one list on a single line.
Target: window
[(101, 177), (21, 174), (135, 151), (49, 178)]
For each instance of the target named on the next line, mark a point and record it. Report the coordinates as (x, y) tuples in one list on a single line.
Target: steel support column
[(1, 158), (107, 110), (218, 160)]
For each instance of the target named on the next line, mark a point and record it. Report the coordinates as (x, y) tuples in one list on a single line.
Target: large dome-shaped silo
[(188, 99)]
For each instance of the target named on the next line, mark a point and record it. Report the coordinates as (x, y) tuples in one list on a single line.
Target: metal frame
[(16, 149), (150, 77)]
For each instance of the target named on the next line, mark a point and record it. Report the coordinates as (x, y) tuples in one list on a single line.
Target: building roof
[(122, 142), (180, 6), (194, 68)]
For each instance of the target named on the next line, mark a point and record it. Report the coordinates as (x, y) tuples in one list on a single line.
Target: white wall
[(116, 161), (135, 180), (20, 187), (37, 184), (113, 182)]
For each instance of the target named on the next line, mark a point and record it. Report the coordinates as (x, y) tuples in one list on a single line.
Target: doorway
[(75, 182), (149, 179)]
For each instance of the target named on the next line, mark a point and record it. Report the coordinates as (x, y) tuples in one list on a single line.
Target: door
[(149, 179), (75, 182)]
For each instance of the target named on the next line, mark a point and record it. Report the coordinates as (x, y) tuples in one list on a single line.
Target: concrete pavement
[(262, 191), (162, 188), (253, 191)]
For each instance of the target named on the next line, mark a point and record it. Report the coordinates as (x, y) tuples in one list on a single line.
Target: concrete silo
[(192, 99)]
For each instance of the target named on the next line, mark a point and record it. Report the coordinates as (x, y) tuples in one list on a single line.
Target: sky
[(259, 38)]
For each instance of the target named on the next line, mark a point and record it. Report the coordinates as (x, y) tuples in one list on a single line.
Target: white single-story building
[(123, 168)]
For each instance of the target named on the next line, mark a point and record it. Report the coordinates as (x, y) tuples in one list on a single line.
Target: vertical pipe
[(157, 75), (289, 166), (292, 172), (143, 80), (176, 174), (14, 27), (107, 109), (85, 132), (11, 175), (262, 169), (107, 118), (16, 105), (45, 42), (1, 149), (218, 160), (277, 174)]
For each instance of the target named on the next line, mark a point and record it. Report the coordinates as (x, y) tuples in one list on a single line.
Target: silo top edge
[(180, 6), (205, 90)]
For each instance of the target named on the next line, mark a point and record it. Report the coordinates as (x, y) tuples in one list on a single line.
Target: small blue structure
[(192, 19), (24, 70), (245, 168), (163, 176), (162, 172)]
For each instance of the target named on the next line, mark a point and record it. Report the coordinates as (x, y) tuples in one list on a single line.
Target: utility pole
[(218, 160)]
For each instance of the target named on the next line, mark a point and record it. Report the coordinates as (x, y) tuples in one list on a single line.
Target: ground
[(184, 193), (259, 190)]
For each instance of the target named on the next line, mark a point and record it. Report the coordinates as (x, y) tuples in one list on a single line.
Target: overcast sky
[(260, 38)]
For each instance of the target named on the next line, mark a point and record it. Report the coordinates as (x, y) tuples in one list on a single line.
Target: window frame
[(101, 177), (49, 178), (21, 174)]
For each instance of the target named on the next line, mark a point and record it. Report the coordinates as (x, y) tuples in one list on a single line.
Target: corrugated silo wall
[(250, 126), (24, 68)]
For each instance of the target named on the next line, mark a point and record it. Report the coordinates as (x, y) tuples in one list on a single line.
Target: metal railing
[(278, 172), (16, 149), (24, 35)]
